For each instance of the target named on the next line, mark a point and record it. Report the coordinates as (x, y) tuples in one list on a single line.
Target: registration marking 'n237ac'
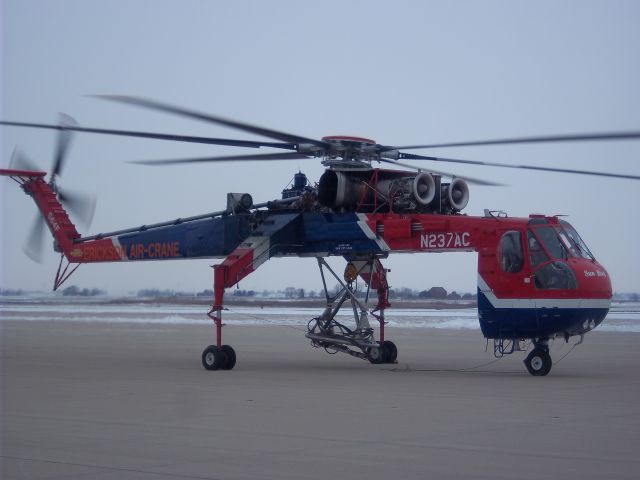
[(445, 240)]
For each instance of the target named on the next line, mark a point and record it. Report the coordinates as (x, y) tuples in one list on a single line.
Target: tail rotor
[(81, 206), (35, 241)]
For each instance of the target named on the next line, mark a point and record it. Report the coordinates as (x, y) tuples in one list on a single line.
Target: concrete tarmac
[(125, 401)]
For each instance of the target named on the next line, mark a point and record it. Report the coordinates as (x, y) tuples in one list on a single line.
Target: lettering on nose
[(596, 273)]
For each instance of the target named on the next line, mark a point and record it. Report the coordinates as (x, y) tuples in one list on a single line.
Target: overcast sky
[(397, 72)]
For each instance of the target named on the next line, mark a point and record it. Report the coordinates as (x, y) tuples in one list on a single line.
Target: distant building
[(436, 292)]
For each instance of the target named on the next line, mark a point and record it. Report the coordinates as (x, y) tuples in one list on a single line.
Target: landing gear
[(218, 357), (376, 354), (390, 351), (230, 353), (328, 333), (538, 362), (387, 352), (214, 358)]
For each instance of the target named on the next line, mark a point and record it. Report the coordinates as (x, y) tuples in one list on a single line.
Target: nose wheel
[(538, 362)]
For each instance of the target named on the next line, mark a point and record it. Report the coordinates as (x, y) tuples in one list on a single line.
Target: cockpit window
[(566, 243), (536, 253), (555, 276), (549, 238), (580, 248), (510, 252)]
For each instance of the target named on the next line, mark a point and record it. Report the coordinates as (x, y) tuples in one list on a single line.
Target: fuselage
[(536, 276)]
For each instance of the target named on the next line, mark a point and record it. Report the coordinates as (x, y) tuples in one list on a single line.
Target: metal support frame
[(63, 274), (326, 332)]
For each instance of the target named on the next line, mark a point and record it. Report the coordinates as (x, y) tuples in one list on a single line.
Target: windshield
[(549, 238), (579, 248)]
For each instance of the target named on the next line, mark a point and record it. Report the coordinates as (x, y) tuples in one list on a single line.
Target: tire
[(230, 357), (376, 355), (538, 363), (390, 351), (212, 358)]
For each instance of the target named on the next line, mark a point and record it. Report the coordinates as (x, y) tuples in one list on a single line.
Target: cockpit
[(546, 248)]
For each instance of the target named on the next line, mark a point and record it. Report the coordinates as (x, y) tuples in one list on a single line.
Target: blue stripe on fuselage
[(210, 238), (535, 322), (336, 234)]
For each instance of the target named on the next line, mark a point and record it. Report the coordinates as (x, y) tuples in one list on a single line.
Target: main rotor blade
[(157, 136), (471, 180), (412, 156), (579, 137), (163, 107), (64, 138), (229, 158)]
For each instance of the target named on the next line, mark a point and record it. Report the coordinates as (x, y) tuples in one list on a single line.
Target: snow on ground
[(623, 317)]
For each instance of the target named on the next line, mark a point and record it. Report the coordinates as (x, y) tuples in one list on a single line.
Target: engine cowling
[(400, 190), (456, 194), (423, 188)]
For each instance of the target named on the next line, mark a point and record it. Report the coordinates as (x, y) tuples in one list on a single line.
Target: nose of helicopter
[(595, 292)]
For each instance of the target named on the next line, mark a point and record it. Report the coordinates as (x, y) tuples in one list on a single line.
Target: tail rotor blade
[(81, 205), (19, 161), (35, 241), (64, 139)]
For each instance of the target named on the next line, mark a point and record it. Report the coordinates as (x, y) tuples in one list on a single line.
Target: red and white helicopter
[(537, 279)]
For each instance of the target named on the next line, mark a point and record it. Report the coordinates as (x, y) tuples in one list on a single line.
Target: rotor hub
[(349, 152), (348, 140)]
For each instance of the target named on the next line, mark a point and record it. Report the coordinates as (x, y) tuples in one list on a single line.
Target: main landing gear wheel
[(538, 362), (376, 354), (231, 357), (387, 352), (390, 351), (218, 359)]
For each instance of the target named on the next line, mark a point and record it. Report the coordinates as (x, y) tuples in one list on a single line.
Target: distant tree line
[(82, 292), (293, 293), (402, 293), (159, 293), (7, 292)]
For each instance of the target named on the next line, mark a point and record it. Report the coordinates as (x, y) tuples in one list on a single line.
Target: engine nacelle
[(455, 194), (339, 189), (239, 202), (423, 188), (400, 191)]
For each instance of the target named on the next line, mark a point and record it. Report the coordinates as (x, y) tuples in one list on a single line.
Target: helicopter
[(537, 279)]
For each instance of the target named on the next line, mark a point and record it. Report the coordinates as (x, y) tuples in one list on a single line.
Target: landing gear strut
[(219, 356), (328, 333)]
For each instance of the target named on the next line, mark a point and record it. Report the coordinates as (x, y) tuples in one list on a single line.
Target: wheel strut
[(218, 356)]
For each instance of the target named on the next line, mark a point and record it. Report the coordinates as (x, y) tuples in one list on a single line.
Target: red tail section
[(55, 216)]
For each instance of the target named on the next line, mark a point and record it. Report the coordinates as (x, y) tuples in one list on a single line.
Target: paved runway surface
[(120, 401)]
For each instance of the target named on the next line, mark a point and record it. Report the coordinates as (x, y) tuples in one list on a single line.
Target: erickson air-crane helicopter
[(537, 279)]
